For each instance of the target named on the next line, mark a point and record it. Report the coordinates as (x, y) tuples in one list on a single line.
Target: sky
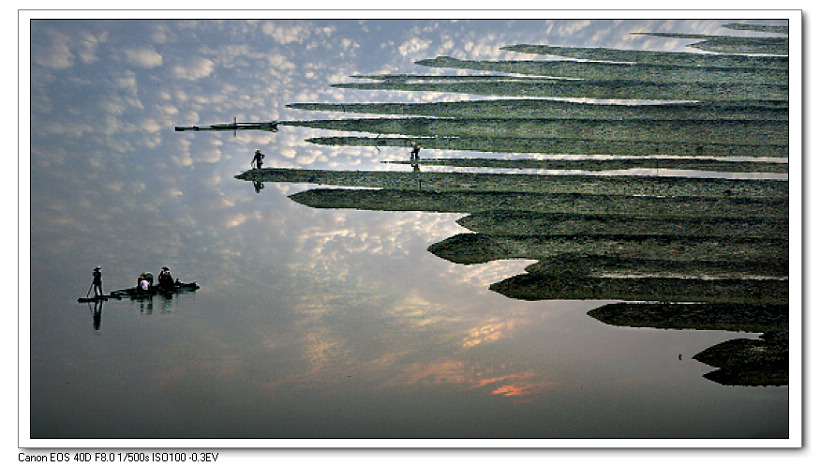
[(106, 94)]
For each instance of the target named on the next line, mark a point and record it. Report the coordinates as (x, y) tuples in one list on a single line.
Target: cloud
[(280, 63), (212, 153), (72, 128), (486, 51), (286, 34), (56, 54), (182, 157), (196, 69), (160, 35), (61, 50), (414, 45), (145, 57), (151, 126), (88, 46), (573, 27)]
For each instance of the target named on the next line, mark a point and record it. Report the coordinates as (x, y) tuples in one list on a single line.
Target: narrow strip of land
[(470, 248), (572, 203), (736, 132), (656, 58), (497, 222), (609, 71), (597, 265), (529, 183), (554, 109), (614, 89), (698, 164), (560, 146), (544, 287)]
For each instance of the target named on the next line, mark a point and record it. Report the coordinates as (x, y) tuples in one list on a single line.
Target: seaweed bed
[(696, 252)]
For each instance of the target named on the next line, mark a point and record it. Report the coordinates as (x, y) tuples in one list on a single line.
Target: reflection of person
[(97, 282), (97, 314), (257, 159), (257, 185), (414, 154)]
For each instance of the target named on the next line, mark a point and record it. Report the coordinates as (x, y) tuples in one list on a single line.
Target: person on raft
[(165, 281), (97, 281), (145, 281), (257, 159)]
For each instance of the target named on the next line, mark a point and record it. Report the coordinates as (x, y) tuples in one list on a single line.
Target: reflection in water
[(328, 323), (97, 312), (146, 305), (584, 276), (692, 227), (748, 362)]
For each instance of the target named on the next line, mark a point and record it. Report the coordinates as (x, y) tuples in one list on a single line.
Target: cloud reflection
[(294, 300)]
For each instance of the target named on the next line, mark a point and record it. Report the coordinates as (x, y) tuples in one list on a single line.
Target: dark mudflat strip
[(610, 70), (656, 58), (704, 316), (539, 223), (731, 44), (504, 144), (573, 203), (544, 287), (530, 183), (472, 248), (598, 265), (614, 89), (547, 108), (705, 165), (749, 362), (758, 28), (735, 132)]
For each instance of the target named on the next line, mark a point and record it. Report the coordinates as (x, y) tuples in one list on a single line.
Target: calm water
[(325, 323), (310, 323)]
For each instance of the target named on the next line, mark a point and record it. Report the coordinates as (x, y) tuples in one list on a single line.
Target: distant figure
[(145, 281), (414, 154), (97, 282), (257, 159), (165, 281)]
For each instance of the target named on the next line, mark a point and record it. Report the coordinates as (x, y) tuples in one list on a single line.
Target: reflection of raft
[(100, 298), (136, 292)]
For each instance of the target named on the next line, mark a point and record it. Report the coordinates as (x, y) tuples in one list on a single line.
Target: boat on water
[(138, 292), (266, 126)]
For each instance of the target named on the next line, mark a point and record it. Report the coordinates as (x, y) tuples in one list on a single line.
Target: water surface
[(310, 323)]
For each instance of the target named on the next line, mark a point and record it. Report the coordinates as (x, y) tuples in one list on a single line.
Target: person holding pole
[(97, 282)]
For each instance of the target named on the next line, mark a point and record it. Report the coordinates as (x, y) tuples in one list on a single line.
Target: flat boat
[(137, 292)]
